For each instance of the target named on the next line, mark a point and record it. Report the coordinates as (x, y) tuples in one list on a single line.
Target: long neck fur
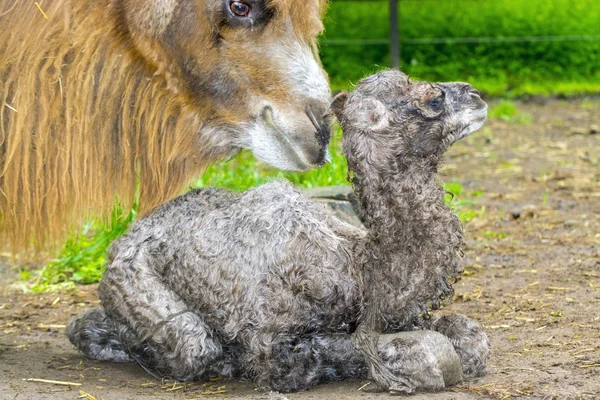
[(413, 243), (83, 119)]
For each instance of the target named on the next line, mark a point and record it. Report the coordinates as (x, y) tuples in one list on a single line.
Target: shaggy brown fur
[(105, 94)]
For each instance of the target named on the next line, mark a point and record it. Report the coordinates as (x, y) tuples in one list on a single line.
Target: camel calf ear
[(338, 103), (376, 115)]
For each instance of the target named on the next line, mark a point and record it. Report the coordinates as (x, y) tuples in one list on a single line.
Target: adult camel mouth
[(301, 149)]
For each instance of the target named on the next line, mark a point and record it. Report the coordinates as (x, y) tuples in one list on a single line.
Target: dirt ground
[(532, 278)]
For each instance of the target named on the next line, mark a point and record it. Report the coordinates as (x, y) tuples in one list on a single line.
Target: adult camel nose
[(317, 116)]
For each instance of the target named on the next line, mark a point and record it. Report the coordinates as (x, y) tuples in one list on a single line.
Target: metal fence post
[(394, 34)]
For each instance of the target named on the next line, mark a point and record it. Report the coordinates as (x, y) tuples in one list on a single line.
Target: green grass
[(82, 258), (505, 69), (494, 235), (244, 171), (465, 206), (545, 197), (508, 111)]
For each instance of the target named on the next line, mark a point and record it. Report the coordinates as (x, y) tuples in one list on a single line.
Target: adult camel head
[(100, 99), (255, 62)]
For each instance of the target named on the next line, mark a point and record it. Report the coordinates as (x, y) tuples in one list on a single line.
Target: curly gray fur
[(268, 285)]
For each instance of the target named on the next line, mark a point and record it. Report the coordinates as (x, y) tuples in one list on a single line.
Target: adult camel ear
[(337, 105), (147, 23), (149, 17)]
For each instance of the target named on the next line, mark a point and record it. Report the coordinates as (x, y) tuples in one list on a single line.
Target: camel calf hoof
[(426, 359), (469, 340)]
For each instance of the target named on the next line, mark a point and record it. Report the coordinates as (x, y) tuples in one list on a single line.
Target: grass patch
[(505, 68), (244, 171), (494, 235), (83, 257), (464, 206), (508, 111), (545, 197)]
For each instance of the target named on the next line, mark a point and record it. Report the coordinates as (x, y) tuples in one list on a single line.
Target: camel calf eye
[(239, 8), (435, 104)]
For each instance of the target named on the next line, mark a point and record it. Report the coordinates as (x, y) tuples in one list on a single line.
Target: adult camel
[(100, 97)]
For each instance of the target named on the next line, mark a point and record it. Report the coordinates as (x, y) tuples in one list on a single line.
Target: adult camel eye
[(239, 8)]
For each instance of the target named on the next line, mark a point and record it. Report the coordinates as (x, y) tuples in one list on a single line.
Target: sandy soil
[(532, 278)]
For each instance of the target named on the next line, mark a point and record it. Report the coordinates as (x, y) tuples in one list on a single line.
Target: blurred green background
[(513, 47), (505, 48)]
